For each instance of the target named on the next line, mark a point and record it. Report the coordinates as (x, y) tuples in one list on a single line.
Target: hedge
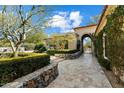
[(104, 63), (99, 51), (10, 54), (39, 48), (114, 39), (62, 51), (13, 68), (114, 30)]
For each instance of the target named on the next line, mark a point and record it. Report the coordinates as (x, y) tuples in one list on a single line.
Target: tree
[(94, 19), (36, 37), (60, 41), (16, 22)]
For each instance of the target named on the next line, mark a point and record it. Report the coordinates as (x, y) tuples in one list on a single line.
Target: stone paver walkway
[(56, 59), (83, 72)]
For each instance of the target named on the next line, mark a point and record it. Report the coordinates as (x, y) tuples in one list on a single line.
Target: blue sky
[(62, 18), (66, 17)]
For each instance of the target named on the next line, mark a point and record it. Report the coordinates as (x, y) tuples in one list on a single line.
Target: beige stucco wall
[(86, 30), (108, 10), (81, 31), (71, 37), (72, 44), (103, 20)]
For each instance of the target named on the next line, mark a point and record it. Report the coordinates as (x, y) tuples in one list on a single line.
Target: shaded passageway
[(87, 45)]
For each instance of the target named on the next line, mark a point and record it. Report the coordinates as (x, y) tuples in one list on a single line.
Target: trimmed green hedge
[(13, 68), (10, 55), (114, 30), (104, 63), (63, 51), (114, 39), (39, 48)]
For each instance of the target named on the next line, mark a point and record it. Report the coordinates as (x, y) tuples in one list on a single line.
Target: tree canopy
[(94, 19), (17, 21)]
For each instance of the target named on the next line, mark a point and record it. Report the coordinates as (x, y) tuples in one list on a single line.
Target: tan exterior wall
[(71, 37), (86, 30), (72, 44), (108, 10)]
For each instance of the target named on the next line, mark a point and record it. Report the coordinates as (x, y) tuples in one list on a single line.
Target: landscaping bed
[(13, 68), (69, 56), (65, 53), (62, 51), (115, 82)]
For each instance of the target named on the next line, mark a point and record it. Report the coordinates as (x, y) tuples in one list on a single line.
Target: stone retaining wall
[(38, 79), (69, 56)]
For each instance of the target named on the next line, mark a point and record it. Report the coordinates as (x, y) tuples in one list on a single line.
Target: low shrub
[(13, 68), (39, 48), (99, 52), (10, 55), (63, 51), (28, 46), (6, 55), (105, 63)]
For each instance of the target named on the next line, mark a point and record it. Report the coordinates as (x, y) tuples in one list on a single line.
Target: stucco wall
[(108, 10), (72, 44), (86, 30)]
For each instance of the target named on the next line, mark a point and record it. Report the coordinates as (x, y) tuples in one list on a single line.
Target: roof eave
[(104, 10), (84, 26)]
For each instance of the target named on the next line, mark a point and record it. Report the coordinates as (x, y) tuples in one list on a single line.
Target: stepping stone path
[(83, 72)]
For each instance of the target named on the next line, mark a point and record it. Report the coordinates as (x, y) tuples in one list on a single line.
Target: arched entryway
[(87, 44)]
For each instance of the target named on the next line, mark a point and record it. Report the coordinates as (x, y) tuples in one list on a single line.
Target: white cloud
[(59, 21), (66, 21), (76, 18), (64, 14), (67, 30)]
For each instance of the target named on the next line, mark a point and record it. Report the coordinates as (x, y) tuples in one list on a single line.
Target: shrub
[(63, 51), (4, 55), (105, 63), (28, 46), (78, 44), (114, 40), (13, 68), (114, 30), (39, 48), (99, 51), (10, 55)]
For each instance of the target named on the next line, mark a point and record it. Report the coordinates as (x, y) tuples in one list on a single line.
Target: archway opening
[(87, 44)]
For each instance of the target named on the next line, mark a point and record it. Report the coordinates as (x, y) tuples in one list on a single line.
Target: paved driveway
[(83, 72)]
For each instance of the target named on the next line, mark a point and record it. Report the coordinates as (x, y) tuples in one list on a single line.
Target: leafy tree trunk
[(15, 48), (15, 24), (15, 54)]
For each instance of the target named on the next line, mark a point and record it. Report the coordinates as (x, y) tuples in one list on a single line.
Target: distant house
[(85, 31), (61, 41), (74, 39)]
